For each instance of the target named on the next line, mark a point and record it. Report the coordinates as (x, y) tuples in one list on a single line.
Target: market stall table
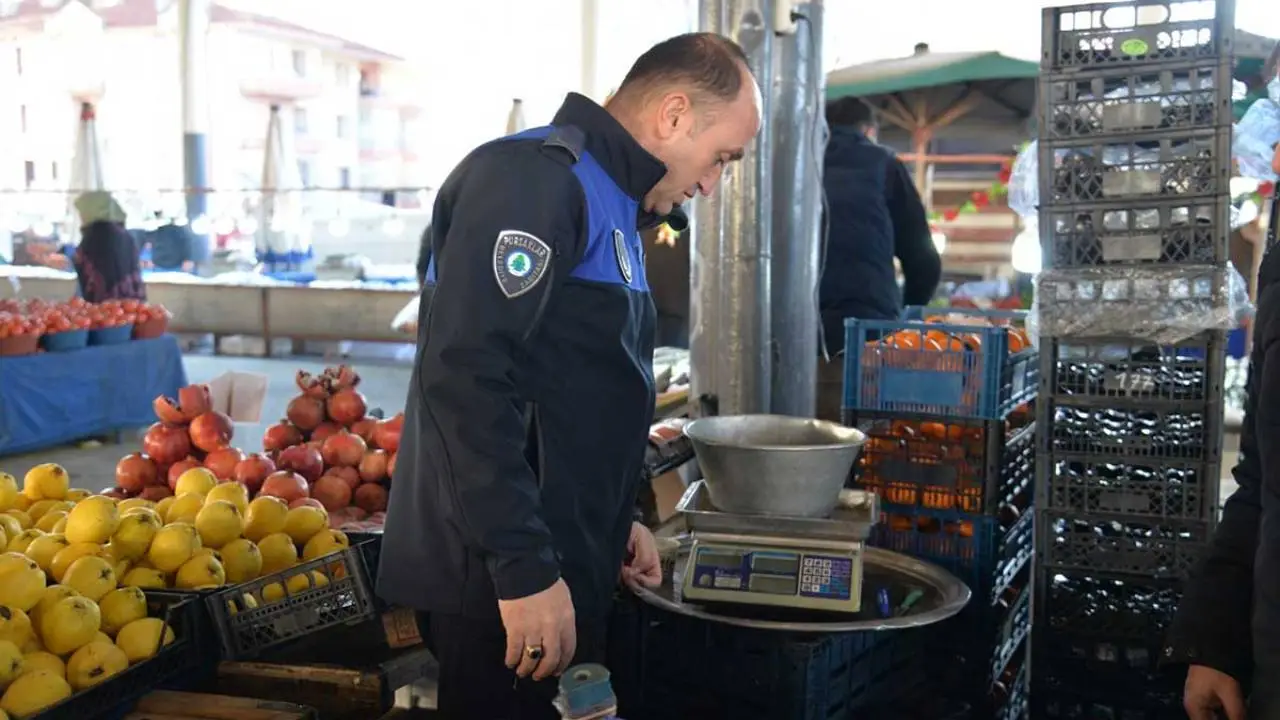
[(53, 398)]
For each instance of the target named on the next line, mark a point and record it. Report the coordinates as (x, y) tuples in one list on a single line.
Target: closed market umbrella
[(283, 241)]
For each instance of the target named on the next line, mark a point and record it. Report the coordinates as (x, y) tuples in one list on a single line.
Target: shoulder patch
[(622, 254), (520, 260)]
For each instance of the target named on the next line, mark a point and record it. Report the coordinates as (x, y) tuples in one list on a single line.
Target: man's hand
[(540, 623), (644, 567), (1208, 690)]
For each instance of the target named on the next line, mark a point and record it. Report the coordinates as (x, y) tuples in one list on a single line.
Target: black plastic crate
[(1133, 434), (337, 593), (1127, 372), (190, 657), (1125, 100), (1140, 547), (1102, 630), (689, 668), (1097, 647), (1138, 32), (1153, 166), (1142, 487), (1150, 232), (1017, 705), (941, 463)]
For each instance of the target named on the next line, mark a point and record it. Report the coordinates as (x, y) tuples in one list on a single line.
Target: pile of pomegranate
[(41, 317), (327, 451)]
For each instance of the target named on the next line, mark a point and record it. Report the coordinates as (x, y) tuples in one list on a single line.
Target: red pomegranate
[(332, 492), (222, 463), (166, 444), (371, 497), (155, 493), (324, 431), (373, 466), (286, 485), (364, 428), (343, 449), (345, 405), (304, 460), (280, 436), (387, 434), (252, 471), (195, 401), (167, 411), (176, 470), (312, 386), (348, 475), (212, 431), (305, 412), (135, 472)]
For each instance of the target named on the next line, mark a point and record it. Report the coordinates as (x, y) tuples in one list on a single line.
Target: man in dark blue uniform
[(511, 514)]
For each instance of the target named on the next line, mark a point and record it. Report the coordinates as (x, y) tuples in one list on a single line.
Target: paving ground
[(92, 465)]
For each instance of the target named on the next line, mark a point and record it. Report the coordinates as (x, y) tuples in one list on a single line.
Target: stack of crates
[(946, 399), (1135, 137)]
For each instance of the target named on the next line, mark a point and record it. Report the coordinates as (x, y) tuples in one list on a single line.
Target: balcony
[(281, 87)]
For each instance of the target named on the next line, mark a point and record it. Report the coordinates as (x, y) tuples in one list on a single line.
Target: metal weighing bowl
[(774, 464)]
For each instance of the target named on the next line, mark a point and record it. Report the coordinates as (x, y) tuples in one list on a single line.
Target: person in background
[(172, 246), (874, 215), (106, 261), (511, 518), (666, 262)]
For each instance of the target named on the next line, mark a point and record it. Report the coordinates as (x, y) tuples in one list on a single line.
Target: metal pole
[(797, 211), (730, 265), (590, 48), (193, 29)]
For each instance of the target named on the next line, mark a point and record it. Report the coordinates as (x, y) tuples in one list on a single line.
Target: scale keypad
[(826, 577)]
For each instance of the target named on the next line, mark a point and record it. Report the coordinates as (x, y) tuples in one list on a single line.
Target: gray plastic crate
[(1125, 100), (1115, 545), (1138, 32), (1134, 374), (1192, 231), (1144, 167)]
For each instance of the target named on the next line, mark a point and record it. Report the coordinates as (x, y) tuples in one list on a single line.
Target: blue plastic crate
[(986, 384), (65, 341), (111, 335)]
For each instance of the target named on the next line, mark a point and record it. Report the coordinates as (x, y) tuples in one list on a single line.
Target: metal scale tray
[(852, 519)]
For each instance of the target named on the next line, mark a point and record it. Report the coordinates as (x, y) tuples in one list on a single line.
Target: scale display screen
[(774, 572)]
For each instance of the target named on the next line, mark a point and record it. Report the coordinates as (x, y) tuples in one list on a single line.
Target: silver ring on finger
[(534, 652)]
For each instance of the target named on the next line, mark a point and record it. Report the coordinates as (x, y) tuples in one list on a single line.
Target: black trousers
[(475, 683)]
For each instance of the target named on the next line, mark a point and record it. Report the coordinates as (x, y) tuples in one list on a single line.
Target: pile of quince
[(72, 609)]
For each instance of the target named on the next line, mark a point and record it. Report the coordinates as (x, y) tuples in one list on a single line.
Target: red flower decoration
[(980, 198), (1266, 189), (1005, 175), (950, 214)]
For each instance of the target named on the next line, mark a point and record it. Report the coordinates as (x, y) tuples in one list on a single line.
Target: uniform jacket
[(532, 391)]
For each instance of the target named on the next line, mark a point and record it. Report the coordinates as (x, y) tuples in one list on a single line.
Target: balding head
[(692, 102)]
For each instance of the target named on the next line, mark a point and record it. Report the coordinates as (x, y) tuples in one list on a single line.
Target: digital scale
[(779, 561)]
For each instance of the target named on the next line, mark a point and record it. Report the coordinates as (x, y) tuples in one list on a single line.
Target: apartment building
[(352, 109)]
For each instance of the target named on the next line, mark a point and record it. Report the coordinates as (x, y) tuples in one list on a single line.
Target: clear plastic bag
[(1024, 182), (1164, 305), (406, 321), (1253, 144)]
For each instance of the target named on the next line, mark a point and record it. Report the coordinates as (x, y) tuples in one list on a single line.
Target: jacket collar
[(634, 169)]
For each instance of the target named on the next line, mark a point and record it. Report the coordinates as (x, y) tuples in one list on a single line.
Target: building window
[(17, 56), (53, 170), (300, 121), (344, 178), (22, 112), (342, 126), (300, 62), (29, 167), (304, 173)]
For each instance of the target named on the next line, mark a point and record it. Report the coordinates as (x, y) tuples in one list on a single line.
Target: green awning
[(925, 70)]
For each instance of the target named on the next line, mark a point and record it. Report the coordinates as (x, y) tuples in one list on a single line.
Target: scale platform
[(779, 561)]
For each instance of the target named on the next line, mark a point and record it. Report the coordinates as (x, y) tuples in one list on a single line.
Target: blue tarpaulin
[(54, 398)]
